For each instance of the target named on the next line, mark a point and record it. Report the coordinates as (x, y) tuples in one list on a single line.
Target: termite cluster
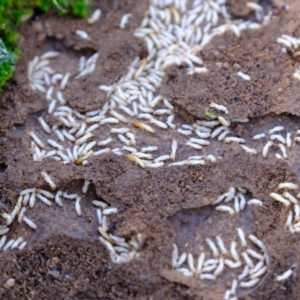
[(248, 258), (237, 195), (286, 194)]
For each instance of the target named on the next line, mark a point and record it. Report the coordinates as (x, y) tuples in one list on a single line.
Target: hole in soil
[(2, 167)]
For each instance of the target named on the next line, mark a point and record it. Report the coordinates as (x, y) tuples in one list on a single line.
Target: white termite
[(82, 34), (249, 150), (242, 236), (266, 148), (232, 264), (170, 122), (276, 129), (109, 121), (288, 139), (108, 211), (207, 276), (45, 126), (290, 197), (105, 142), (243, 76), (217, 131), (284, 276), (219, 107), (213, 247), (124, 20), (193, 145), (221, 245), (223, 121), (173, 149), (77, 206), (233, 139), (259, 136), (8, 244), (84, 138), (159, 123), (149, 149), (288, 186), (85, 186), (94, 17), (57, 198), (36, 139), (30, 223), (225, 208), (283, 150), (248, 284), (281, 199), (255, 202)]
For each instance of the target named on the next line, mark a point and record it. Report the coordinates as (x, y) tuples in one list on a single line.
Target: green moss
[(11, 14), (209, 114)]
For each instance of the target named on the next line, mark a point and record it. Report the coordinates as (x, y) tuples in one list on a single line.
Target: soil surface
[(64, 258)]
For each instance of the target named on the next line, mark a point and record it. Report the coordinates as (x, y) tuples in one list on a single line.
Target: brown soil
[(65, 259)]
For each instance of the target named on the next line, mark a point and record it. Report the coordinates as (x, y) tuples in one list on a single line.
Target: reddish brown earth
[(64, 259)]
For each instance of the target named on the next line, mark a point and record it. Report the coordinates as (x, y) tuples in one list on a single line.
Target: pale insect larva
[(155, 165), (242, 236), (284, 276), (233, 139), (65, 81), (159, 123), (248, 260), (61, 98), (276, 129), (58, 200), (162, 158), (221, 245), (131, 136), (118, 116), (225, 208), (123, 139), (255, 202), (277, 137), (173, 150), (249, 150), (213, 247), (281, 199), (254, 254), (83, 139), (68, 136), (232, 264), (49, 54), (193, 145), (129, 149), (109, 121), (48, 180), (248, 284), (27, 191), (184, 132), (102, 151), (99, 203), (202, 135), (149, 148), (2, 241), (217, 131), (77, 206), (30, 223), (55, 78), (196, 162), (46, 193), (199, 141), (23, 245), (220, 267), (288, 139), (134, 158), (108, 211), (170, 120), (207, 276), (45, 126), (283, 150), (143, 127), (290, 197), (288, 186), (124, 20), (32, 200), (143, 155), (85, 186), (223, 135), (17, 242), (44, 200), (8, 245), (60, 135), (105, 142), (82, 34), (119, 130), (243, 76), (219, 107), (55, 144), (259, 136), (254, 6), (266, 148)]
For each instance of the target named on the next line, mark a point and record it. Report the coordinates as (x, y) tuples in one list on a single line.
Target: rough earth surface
[(64, 259)]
